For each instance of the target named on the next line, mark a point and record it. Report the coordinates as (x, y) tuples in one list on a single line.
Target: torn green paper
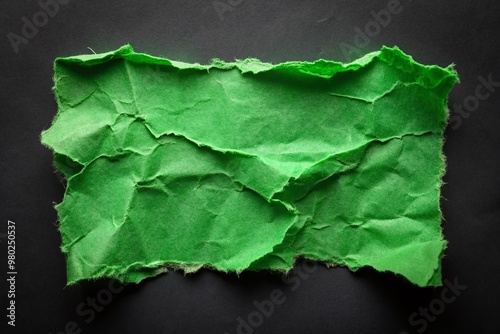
[(248, 165)]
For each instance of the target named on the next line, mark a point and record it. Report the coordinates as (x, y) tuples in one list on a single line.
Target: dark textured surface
[(327, 300)]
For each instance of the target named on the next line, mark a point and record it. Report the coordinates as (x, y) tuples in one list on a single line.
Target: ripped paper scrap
[(248, 165)]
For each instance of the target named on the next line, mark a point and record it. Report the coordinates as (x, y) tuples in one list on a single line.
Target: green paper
[(249, 165)]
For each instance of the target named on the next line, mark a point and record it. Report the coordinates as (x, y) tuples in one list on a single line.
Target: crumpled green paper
[(248, 165)]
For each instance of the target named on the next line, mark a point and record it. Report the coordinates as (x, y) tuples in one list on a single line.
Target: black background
[(328, 300)]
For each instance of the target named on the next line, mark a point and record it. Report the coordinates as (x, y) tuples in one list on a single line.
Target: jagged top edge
[(320, 68)]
